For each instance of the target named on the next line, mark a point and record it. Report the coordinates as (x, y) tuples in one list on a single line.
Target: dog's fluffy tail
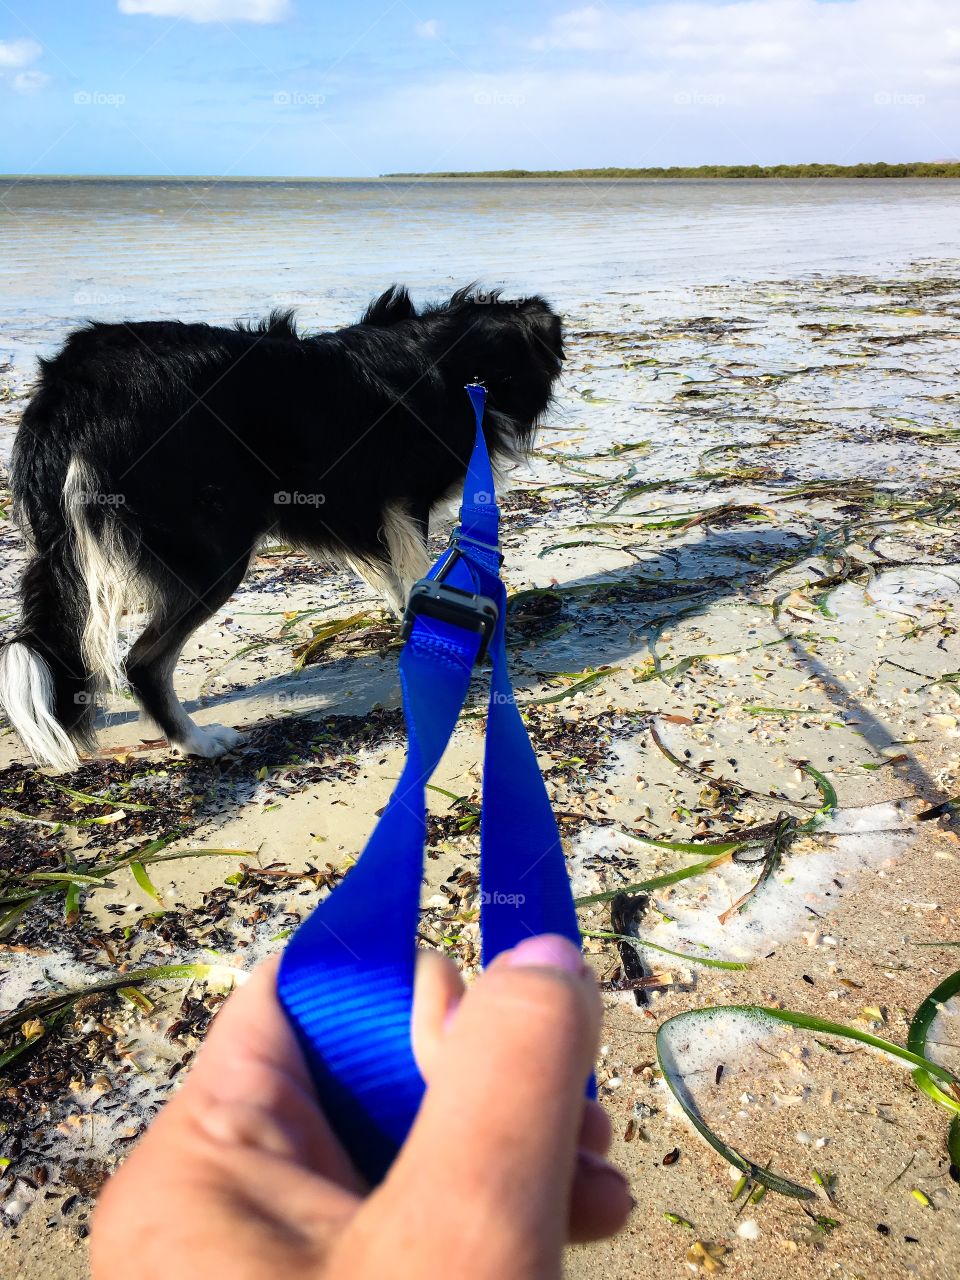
[(73, 593), (29, 696), (46, 686)]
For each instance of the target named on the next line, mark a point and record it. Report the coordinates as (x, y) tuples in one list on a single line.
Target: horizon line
[(705, 170)]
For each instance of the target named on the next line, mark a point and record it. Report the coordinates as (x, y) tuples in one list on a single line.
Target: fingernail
[(548, 951), (593, 1164)]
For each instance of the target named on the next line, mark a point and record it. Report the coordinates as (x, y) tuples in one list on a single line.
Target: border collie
[(153, 459)]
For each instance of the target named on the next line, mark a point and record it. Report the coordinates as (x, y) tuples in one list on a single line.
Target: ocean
[(79, 249)]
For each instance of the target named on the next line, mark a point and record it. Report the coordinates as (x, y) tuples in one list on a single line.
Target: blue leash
[(346, 979)]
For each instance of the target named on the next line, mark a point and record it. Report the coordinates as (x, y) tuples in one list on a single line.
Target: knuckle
[(543, 1003)]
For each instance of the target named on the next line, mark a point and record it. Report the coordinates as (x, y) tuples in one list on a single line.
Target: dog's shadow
[(596, 619), (585, 622)]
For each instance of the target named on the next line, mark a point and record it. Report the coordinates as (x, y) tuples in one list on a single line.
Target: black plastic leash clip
[(433, 598)]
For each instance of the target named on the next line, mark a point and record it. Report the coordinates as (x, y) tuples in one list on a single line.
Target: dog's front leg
[(405, 533), (420, 515)]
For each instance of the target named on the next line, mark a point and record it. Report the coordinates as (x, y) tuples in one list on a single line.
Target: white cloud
[(30, 81), (17, 53), (768, 45), (692, 82), (429, 30), (260, 11)]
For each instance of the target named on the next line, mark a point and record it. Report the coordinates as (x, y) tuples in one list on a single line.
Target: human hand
[(240, 1176)]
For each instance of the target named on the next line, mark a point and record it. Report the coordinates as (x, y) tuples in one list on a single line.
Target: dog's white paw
[(210, 742)]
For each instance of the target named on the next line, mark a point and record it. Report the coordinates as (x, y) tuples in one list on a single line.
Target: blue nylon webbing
[(346, 978)]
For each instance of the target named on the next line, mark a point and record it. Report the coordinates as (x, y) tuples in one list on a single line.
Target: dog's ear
[(391, 307)]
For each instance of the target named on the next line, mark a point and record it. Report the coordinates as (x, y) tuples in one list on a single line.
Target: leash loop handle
[(346, 977)]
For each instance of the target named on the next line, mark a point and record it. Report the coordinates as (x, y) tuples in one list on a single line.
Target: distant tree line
[(879, 169)]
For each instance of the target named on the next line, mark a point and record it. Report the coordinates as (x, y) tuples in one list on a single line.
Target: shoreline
[(947, 169)]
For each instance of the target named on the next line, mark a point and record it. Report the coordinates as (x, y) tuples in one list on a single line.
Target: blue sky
[(359, 87)]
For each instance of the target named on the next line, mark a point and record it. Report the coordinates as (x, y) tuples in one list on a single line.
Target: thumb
[(502, 1114)]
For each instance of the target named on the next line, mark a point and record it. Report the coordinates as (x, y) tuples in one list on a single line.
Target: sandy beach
[(734, 567)]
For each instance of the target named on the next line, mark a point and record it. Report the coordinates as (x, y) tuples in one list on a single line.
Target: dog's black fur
[(181, 437)]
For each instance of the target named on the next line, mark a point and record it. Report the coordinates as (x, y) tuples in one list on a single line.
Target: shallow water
[(74, 250)]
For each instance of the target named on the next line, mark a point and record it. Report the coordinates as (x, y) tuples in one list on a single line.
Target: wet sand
[(734, 565)]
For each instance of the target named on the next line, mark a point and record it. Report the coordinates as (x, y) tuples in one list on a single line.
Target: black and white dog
[(155, 457)]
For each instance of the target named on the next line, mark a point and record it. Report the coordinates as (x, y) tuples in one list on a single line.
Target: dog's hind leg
[(152, 660)]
